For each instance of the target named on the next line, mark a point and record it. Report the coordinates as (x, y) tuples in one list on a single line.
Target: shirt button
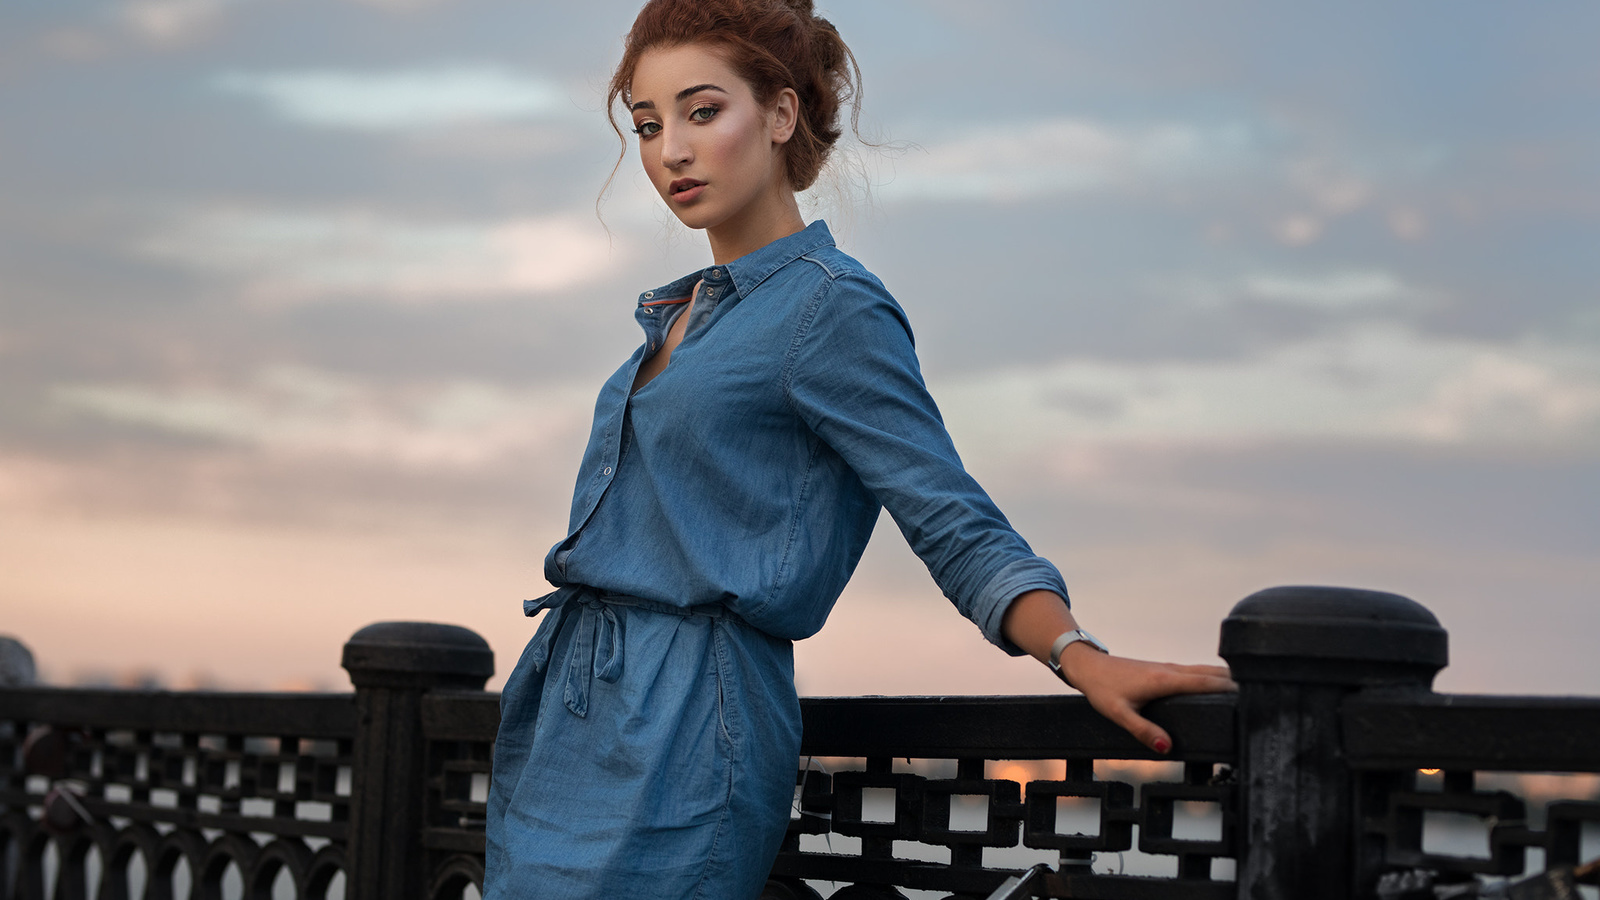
[(606, 471), (649, 294), (649, 310), (716, 273)]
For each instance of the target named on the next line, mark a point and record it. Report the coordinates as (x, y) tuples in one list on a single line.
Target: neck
[(759, 225)]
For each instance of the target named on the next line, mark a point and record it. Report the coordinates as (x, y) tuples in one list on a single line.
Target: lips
[(685, 189)]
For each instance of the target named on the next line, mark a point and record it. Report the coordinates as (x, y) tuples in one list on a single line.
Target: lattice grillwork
[(459, 786), (172, 813), (1462, 824), (859, 821), (458, 789), (888, 815)]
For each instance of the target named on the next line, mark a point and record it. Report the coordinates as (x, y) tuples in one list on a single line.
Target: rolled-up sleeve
[(852, 376)]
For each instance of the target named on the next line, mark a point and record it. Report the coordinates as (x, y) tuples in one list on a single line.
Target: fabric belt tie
[(596, 650)]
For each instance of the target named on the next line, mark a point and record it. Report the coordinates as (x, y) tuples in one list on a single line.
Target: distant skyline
[(303, 306)]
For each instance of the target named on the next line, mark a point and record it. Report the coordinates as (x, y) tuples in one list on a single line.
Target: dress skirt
[(644, 751)]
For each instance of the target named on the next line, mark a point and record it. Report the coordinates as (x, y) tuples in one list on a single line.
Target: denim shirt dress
[(650, 732)]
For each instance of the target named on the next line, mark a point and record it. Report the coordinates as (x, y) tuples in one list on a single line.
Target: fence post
[(392, 664), (1297, 653)]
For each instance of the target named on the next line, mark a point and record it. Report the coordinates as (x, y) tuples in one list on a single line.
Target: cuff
[(1011, 582)]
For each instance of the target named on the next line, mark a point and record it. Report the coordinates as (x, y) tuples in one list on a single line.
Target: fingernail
[(1163, 745)]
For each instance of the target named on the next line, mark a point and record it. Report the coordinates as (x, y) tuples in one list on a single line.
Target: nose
[(675, 149)]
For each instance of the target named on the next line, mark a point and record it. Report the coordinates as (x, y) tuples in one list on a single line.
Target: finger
[(1207, 681), (1219, 671), (1211, 684), (1196, 668), (1143, 730)]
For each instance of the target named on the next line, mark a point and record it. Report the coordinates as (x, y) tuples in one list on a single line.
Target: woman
[(736, 466)]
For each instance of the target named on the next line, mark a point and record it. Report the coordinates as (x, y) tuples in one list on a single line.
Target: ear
[(784, 116)]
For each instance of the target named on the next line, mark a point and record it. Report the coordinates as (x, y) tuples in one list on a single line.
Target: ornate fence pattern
[(175, 795), (1320, 777)]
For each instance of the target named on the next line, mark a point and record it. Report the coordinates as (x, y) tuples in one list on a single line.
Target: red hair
[(772, 45)]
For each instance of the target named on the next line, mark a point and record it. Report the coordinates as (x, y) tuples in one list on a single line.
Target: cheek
[(743, 146), (651, 164)]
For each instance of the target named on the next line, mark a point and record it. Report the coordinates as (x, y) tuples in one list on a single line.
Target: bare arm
[(1115, 686)]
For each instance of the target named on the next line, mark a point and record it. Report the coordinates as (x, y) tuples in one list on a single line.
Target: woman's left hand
[(1116, 686), (1119, 687)]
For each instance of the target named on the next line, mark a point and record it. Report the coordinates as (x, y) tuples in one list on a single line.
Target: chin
[(692, 218), (691, 223)]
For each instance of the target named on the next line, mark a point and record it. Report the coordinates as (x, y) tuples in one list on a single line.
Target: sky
[(304, 303)]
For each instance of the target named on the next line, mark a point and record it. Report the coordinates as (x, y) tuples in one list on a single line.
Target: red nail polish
[(1163, 745)]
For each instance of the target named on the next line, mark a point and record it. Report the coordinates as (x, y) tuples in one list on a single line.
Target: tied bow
[(596, 650)]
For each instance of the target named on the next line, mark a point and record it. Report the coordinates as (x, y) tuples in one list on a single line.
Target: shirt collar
[(748, 271)]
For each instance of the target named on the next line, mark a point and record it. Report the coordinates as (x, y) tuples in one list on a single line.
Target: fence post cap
[(418, 655), (16, 663), (1333, 635)]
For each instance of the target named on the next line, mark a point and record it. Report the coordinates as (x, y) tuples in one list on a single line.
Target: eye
[(703, 113), (647, 129)]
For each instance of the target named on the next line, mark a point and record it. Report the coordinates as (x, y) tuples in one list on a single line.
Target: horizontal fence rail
[(1006, 727), (1460, 731), (1335, 772)]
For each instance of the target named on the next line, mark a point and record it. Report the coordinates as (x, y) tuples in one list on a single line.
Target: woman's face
[(713, 153)]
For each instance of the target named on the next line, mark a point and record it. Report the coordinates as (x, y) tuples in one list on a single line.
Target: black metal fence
[(1333, 773)]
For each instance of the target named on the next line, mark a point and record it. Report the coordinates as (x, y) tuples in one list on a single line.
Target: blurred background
[(303, 305)]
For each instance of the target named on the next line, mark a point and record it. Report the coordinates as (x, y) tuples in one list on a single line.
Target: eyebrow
[(682, 95)]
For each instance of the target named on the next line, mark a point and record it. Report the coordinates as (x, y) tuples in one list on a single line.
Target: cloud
[(73, 43), (1408, 223), (399, 100), (1368, 383), (1336, 291), (498, 142), (1331, 187), (1333, 292), (167, 23), (171, 21), (287, 257), (1065, 155), (1332, 190), (300, 412), (400, 5), (1503, 397), (1297, 230)]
